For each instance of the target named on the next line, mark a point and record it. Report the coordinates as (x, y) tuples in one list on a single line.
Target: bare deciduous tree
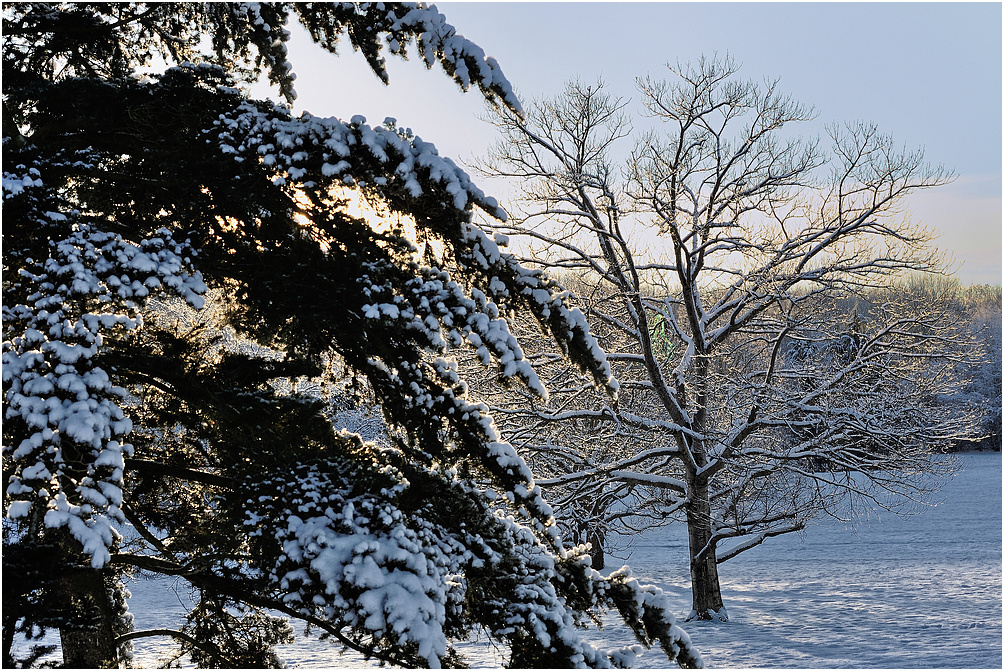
[(751, 399)]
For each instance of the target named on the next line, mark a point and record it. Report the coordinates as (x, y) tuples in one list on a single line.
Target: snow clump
[(69, 466)]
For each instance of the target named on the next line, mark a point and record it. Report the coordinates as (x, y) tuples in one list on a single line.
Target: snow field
[(916, 592)]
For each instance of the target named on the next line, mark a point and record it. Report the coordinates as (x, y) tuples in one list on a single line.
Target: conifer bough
[(179, 261)]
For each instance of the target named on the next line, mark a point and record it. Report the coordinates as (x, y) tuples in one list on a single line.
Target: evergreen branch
[(158, 468)]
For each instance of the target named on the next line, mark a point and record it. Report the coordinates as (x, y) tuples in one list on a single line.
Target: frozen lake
[(916, 592)]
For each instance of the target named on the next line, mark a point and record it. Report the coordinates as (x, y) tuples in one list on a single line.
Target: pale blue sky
[(927, 73)]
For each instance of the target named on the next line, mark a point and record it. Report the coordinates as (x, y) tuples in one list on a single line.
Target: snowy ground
[(916, 592)]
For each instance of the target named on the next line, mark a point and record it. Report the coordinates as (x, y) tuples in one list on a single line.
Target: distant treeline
[(980, 306)]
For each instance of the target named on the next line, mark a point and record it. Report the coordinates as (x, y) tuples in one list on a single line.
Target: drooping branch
[(208, 648)]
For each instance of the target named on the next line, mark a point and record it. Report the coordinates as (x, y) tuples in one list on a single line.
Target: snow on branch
[(433, 304), (69, 463), (399, 23), (645, 609), (356, 558), (309, 151), (546, 298), (358, 549)]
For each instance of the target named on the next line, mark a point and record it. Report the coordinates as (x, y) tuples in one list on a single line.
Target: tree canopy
[(771, 368), (189, 283)]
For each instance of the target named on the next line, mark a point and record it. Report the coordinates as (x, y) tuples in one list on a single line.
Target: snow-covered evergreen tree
[(178, 261)]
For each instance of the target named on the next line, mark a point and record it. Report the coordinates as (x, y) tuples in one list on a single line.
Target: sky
[(929, 74)]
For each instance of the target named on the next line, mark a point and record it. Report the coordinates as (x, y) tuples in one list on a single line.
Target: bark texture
[(705, 585), (92, 647)]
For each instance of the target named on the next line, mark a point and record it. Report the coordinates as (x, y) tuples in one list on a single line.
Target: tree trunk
[(8, 644), (596, 551), (89, 594), (707, 590), (704, 584), (93, 647)]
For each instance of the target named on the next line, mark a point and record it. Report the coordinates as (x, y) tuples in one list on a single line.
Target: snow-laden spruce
[(93, 283), (345, 558), (182, 416)]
